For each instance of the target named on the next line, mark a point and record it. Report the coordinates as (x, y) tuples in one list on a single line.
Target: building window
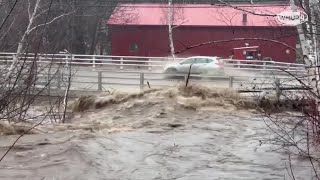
[(134, 47), (288, 51)]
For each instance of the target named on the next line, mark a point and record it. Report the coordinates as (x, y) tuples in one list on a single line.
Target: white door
[(185, 65), (199, 64)]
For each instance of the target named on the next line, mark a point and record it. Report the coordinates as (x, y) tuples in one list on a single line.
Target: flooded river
[(151, 139)]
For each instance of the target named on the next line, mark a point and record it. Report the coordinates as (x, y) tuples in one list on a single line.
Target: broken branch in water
[(188, 77), (148, 84)]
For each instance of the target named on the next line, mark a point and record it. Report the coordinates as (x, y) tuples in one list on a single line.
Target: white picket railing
[(102, 78), (92, 60), (263, 65), (149, 63)]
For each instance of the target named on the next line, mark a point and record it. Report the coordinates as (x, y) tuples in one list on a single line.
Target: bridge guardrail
[(101, 80), (148, 63)]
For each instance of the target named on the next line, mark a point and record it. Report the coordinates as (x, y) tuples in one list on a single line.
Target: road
[(86, 78), (124, 80)]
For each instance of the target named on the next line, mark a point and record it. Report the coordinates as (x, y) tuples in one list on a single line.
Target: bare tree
[(173, 18), (33, 13), (170, 21), (21, 80)]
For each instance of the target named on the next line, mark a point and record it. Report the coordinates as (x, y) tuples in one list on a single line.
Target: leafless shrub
[(293, 117), (29, 76)]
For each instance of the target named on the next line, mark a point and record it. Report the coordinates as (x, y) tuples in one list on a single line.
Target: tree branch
[(39, 14), (29, 9), (237, 39), (7, 30), (247, 11), (44, 24), (301, 82), (7, 17), (291, 168), (179, 24)]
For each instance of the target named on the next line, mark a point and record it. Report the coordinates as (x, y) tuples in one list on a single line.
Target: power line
[(8, 15)]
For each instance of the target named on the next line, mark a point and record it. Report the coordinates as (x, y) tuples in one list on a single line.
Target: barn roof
[(196, 15)]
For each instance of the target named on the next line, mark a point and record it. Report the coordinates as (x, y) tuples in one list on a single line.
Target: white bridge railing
[(146, 63), (84, 78)]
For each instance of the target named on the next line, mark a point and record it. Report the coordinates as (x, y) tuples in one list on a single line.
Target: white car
[(200, 65)]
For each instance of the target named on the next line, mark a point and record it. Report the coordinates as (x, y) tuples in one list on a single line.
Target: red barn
[(142, 30)]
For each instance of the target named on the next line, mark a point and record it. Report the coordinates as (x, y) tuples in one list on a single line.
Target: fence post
[(94, 61), (71, 58), (231, 82), (13, 56), (48, 84), (141, 81), (59, 79), (67, 60), (121, 62), (264, 65), (238, 62), (149, 64), (99, 81), (277, 87), (288, 67), (39, 59)]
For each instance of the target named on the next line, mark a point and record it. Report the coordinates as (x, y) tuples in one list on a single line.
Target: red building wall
[(154, 41)]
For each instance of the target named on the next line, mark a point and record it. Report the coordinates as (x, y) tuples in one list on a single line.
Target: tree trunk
[(310, 31), (170, 23), (21, 44), (94, 35)]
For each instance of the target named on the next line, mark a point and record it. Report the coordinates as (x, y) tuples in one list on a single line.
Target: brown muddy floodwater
[(152, 138)]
